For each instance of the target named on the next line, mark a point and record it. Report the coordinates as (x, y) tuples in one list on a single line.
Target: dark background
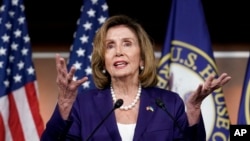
[(54, 21)]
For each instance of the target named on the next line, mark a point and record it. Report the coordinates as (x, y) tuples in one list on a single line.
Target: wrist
[(65, 106), (193, 113)]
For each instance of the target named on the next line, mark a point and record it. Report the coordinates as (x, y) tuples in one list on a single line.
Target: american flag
[(93, 15), (20, 119)]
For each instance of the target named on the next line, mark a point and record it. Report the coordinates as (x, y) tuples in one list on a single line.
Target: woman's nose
[(118, 51)]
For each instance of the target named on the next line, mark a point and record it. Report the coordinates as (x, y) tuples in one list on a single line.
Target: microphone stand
[(160, 104), (117, 104)]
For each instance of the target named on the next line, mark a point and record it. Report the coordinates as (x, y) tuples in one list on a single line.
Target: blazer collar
[(103, 102), (146, 112)]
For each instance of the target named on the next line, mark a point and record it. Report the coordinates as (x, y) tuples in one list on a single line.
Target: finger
[(61, 66), (81, 81), (224, 79), (61, 71), (196, 93), (77, 83), (194, 97), (60, 62), (204, 92), (207, 85), (57, 62), (57, 57), (71, 74), (62, 76), (198, 90), (222, 76)]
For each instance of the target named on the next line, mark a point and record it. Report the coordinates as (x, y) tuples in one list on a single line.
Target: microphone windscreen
[(118, 103), (159, 103)]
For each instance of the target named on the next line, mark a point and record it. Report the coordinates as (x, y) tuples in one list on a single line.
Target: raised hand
[(195, 100), (67, 87)]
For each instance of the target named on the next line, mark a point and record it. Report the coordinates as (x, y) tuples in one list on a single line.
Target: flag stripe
[(2, 129), (27, 122), (14, 120), (34, 106), (4, 111)]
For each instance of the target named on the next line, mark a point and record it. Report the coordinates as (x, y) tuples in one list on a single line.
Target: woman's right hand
[(67, 87)]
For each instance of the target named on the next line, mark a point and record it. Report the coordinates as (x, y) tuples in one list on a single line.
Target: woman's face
[(122, 53)]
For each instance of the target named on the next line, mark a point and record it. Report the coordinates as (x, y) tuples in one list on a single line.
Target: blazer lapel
[(103, 102), (146, 112)]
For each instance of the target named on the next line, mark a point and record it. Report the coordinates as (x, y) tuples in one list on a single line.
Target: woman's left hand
[(195, 100)]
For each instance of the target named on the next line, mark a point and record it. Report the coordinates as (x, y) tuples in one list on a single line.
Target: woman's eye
[(127, 44), (109, 46)]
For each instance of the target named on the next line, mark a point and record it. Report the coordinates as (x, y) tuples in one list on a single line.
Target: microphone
[(117, 104), (160, 104)]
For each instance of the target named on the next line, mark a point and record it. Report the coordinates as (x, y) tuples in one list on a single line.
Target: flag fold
[(20, 119), (244, 112), (93, 15), (187, 60)]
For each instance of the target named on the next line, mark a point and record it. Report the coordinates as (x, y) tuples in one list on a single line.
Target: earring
[(103, 71), (142, 67)]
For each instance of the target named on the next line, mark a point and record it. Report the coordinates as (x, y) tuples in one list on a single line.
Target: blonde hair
[(147, 76)]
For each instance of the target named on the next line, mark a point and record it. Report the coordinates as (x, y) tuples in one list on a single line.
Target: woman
[(124, 67)]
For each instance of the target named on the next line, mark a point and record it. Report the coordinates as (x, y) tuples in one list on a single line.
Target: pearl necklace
[(130, 106)]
